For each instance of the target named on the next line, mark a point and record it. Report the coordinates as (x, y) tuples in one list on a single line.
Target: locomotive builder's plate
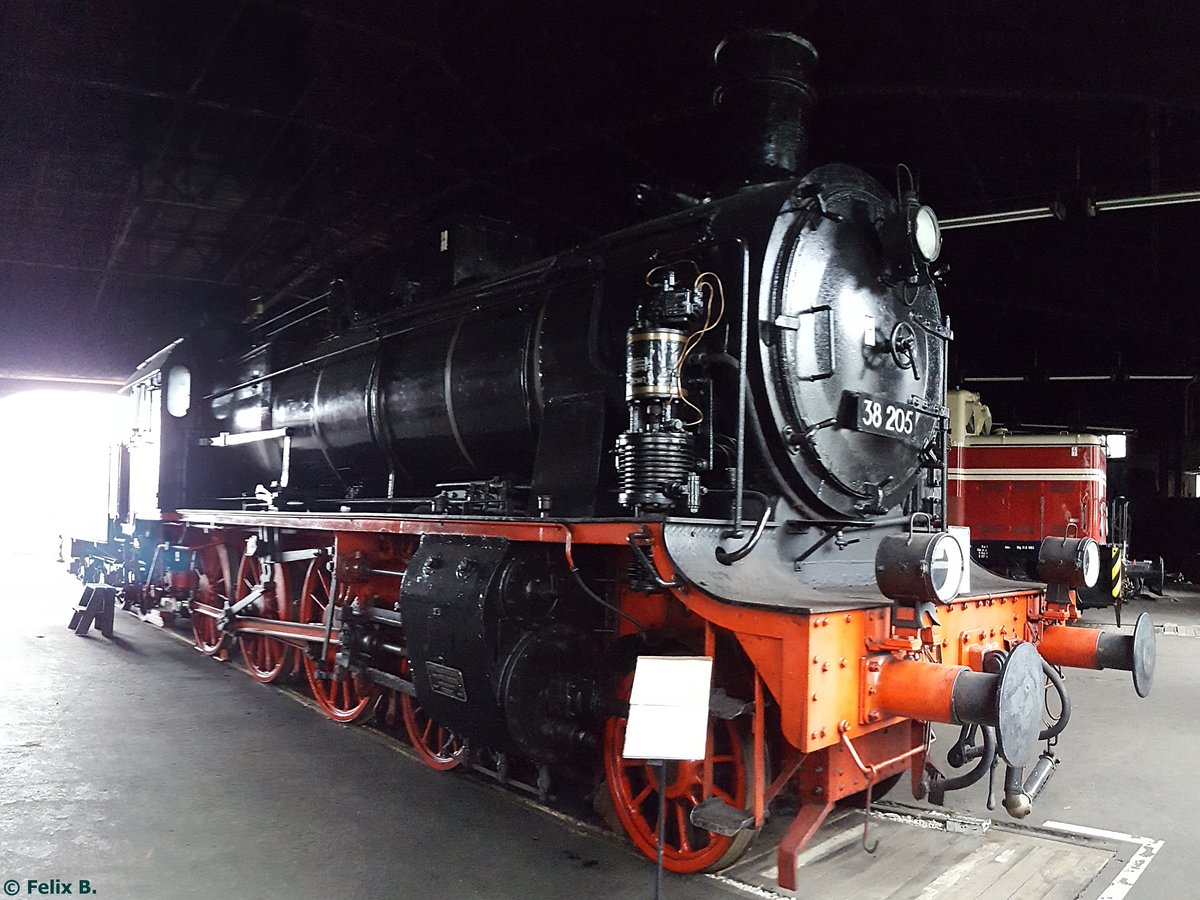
[(879, 415), (926, 853)]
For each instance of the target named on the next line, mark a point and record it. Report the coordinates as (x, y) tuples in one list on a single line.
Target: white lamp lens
[(927, 234), (946, 568), (1091, 563)]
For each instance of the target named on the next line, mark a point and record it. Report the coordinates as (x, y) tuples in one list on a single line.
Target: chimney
[(764, 95)]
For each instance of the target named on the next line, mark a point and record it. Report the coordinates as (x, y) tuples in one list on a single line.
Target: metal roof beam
[(123, 233)]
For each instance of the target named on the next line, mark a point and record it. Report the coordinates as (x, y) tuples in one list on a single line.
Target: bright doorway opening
[(55, 454)]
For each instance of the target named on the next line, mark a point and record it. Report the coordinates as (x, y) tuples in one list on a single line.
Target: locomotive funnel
[(764, 96)]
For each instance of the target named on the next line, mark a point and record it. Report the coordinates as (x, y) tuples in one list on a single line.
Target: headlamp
[(1070, 562), (925, 233), (920, 567)]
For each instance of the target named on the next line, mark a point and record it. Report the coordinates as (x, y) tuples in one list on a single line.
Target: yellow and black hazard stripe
[(1116, 578)]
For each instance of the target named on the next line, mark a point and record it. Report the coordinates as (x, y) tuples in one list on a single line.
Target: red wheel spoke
[(642, 795), (681, 821), (212, 563), (264, 655)]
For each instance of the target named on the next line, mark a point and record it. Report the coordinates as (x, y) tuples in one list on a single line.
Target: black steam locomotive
[(721, 432)]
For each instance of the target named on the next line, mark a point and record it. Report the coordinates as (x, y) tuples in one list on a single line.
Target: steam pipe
[(941, 784), (743, 389), (1055, 679), (729, 557)]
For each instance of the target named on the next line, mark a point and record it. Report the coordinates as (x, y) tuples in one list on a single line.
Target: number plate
[(878, 415)]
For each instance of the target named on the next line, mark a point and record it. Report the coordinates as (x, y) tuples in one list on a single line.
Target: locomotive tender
[(721, 432)]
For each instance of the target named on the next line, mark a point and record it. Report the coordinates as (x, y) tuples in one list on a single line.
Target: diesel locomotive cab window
[(179, 391)]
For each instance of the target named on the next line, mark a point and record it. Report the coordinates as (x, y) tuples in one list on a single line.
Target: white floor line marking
[(748, 861), (1138, 863), (1098, 832), (752, 889)]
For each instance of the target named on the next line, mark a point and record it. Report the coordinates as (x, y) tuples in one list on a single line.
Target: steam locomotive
[(721, 432)]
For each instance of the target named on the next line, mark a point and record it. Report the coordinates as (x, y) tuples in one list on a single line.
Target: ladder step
[(717, 816)]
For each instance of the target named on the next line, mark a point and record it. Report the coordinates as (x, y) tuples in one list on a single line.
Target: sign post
[(668, 720)]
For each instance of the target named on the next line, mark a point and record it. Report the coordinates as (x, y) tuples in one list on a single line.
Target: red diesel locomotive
[(1014, 489)]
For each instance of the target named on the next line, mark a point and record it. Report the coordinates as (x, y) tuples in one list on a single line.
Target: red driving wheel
[(216, 579), (348, 697), (634, 786), (266, 657), (437, 746)]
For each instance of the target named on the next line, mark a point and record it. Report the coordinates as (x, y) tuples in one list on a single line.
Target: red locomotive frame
[(849, 694)]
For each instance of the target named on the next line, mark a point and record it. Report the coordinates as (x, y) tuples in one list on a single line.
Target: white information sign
[(668, 708), (962, 534)]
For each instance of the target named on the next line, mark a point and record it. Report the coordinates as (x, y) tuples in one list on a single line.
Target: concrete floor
[(156, 773)]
